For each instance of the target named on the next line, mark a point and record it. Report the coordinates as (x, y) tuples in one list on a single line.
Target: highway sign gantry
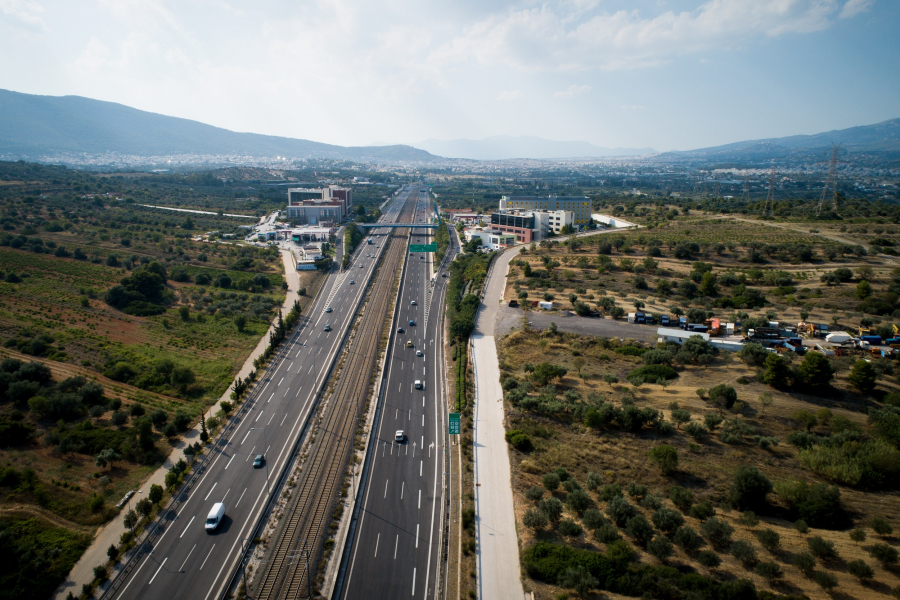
[(454, 423), (423, 247)]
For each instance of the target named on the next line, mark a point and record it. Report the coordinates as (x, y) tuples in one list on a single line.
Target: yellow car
[(409, 343)]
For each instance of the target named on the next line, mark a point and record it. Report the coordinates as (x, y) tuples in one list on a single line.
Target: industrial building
[(322, 206), (579, 206), (531, 225)]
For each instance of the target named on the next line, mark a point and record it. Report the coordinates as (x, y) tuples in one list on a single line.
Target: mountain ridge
[(506, 147)]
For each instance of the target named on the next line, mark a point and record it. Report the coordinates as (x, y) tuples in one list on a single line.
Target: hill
[(500, 147), (33, 126)]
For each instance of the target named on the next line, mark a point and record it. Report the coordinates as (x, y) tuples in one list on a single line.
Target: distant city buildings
[(319, 206)]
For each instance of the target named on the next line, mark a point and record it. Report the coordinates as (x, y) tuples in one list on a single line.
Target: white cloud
[(854, 7), (25, 11), (573, 90), (560, 37), (509, 95)]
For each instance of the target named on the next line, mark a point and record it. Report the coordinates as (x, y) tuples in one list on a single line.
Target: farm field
[(566, 424)]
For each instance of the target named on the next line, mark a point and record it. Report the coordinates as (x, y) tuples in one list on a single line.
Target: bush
[(667, 520), (709, 559), (821, 548), (805, 562), (695, 430), (578, 500), (858, 535), (881, 526), (660, 547), (569, 528), (639, 529), (593, 519), (717, 532), (665, 456), (534, 493), (620, 510), (749, 519), (636, 490), (769, 539), (550, 481), (886, 555), (750, 488), (724, 396), (519, 440), (770, 571), (552, 507), (860, 569), (801, 526), (703, 510), (687, 538), (594, 481), (654, 372), (534, 519), (610, 491), (607, 534), (744, 552), (681, 497)]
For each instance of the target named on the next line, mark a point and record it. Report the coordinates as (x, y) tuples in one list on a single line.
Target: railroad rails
[(300, 540)]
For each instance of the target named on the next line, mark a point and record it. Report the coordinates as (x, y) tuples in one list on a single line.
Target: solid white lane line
[(250, 454), (245, 437), (417, 535), (414, 582), (279, 383), (273, 416), (207, 557), (396, 542), (420, 499), (420, 468), (211, 490), (402, 487), (260, 414), (186, 528), (282, 420), (272, 396), (158, 570), (241, 498), (385, 487), (377, 539), (181, 568), (229, 461)]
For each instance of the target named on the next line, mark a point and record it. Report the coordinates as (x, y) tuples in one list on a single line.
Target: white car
[(419, 353), (399, 436), (413, 303), (328, 309), (418, 384)]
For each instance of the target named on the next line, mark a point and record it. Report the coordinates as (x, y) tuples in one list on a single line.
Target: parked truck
[(838, 337), (664, 320), (874, 340), (764, 333)]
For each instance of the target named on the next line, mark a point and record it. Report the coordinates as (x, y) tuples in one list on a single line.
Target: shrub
[(660, 547), (709, 559), (667, 519), (886, 555), (717, 532), (594, 481), (534, 519), (860, 569), (805, 562), (750, 488), (620, 510), (519, 440), (687, 538), (801, 526), (681, 497), (534, 493), (607, 534), (821, 548), (881, 526), (744, 552), (579, 579), (639, 529), (552, 507), (665, 456), (769, 539), (550, 481), (593, 519), (723, 396), (610, 491), (858, 535), (653, 373), (651, 501), (712, 420), (703, 510), (826, 580), (749, 519), (770, 571), (636, 490), (569, 528), (578, 500), (695, 430)]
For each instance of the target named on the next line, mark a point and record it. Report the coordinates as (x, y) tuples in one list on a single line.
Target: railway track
[(300, 541)]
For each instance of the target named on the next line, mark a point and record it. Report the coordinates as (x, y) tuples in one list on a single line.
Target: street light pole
[(265, 458)]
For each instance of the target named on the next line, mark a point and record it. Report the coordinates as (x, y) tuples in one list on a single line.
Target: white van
[(215, 516), (418, 384)]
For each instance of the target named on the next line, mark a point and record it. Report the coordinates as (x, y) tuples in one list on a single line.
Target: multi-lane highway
[(186, 562), (395, 548)]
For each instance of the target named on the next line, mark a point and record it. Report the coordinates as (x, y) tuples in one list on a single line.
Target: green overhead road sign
[(423, 247), (454, 423)]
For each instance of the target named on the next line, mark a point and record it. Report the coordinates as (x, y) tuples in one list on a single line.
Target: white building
[(679, 336), (493, 240)]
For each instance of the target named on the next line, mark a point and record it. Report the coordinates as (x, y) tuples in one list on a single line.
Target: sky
[(666, 74)]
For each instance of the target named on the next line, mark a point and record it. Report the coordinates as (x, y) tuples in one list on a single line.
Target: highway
[(394, 550), (189, 563)]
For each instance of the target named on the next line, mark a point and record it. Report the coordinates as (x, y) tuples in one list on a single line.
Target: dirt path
[(25, 510)]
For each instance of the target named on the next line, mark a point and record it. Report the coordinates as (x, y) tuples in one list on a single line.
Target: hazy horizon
[(667, 74)]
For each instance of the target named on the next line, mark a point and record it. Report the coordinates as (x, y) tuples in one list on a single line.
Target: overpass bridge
[(397, 225)]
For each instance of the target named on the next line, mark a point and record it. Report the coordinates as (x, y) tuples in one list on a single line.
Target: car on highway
[(418, 384), (352, 282), (215, 516), (361, 266), (409, 343), (327, 309), (259, 461), (401, 330), (413, 303), (443, 274), (327, 327), (412, 323), (419, 353), (399, 436)]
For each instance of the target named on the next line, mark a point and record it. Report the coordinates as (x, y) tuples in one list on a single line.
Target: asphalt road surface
[(189, 563), (394, 550)]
